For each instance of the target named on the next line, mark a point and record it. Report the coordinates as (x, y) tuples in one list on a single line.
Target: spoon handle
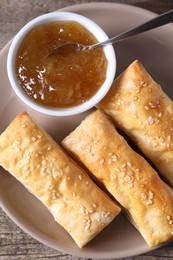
[(158, 21)]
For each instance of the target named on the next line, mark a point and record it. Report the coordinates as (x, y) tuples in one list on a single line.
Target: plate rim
[(76, 8)]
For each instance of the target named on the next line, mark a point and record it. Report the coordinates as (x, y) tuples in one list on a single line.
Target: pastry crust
[(74, 200), (138, 105), (126, 175)]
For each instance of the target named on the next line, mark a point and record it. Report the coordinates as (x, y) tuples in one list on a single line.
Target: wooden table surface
[(14, 243)]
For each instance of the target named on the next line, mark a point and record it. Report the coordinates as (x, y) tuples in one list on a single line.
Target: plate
[(154, 49)]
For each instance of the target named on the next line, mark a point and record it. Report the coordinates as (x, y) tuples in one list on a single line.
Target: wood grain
[(14, 243)]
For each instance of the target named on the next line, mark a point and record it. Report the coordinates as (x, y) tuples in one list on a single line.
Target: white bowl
[(91, 26)]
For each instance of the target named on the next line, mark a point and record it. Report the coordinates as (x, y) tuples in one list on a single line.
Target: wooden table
[(14, 243)]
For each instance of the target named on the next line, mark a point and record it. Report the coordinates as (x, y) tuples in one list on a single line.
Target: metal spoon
[(72, 47)]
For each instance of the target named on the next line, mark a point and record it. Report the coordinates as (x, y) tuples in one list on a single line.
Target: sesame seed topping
[(24, 126), (49, 148), (88, 148), (82, 209), (74, 194), (129, 163), (146, 107), (94, 205), (80, 177), (149, 90), (171, 232), (105, 214), (87, 182), (169, 138), (168, 217), (135, 98), (151, 195), (123, 174), (143, 196), (39, 136), (102, 161), (33, 139), (123, 165), (170, 222), (149, 202)]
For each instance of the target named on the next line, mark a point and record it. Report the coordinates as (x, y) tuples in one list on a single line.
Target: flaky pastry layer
[(126, 175), (75, 202), (138, 105)]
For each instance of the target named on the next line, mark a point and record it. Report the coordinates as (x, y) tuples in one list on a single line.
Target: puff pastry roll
[(126, 175), (138, 105), (74, 200)]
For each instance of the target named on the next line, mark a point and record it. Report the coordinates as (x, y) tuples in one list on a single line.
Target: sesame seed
[(130, 185), (143, 84), (110, 161), (171, 232), (151, 195), (149, 202), (94, 205), (33, 139), (168, 217), (129, 164), (49, 148), (123, 165), (169, 138), (149, 90), (123, 174), (143, 196), (146, 107), (88, 148), (170, 222), (135, 98), (129, 179), (102, 161), (74, 194), (39, 136), (24, 126), (87, 182), (80, 177), (82, 209)]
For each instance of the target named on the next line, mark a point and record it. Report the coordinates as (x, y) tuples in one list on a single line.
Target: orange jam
[(63, 80)]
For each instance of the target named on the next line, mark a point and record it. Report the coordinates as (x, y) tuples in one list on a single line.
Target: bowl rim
[(100, 35)]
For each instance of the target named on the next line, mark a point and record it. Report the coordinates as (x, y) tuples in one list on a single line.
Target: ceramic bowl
[(91, 26)]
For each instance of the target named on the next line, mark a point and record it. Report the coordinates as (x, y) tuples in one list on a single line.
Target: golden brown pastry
[(138, 105), (76, 203), (126, 175)]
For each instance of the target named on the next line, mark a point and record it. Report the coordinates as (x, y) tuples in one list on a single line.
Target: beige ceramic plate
[(154, 49)]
